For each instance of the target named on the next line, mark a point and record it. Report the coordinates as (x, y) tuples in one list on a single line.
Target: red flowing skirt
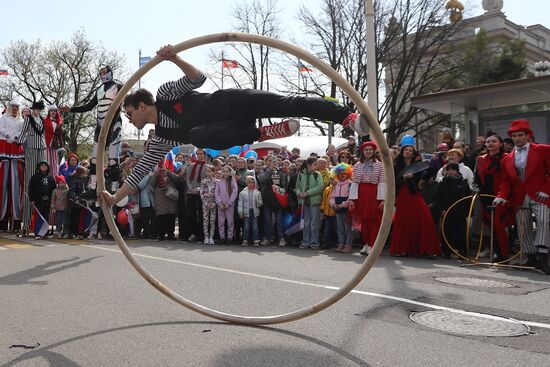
[(367, 205), (413, 231), (11, 150)]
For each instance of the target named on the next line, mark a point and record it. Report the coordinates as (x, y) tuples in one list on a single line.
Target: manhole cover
[(474, 282), (466, 324)]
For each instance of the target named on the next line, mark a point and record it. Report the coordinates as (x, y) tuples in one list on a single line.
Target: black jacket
[(449, 191), (41, 187)]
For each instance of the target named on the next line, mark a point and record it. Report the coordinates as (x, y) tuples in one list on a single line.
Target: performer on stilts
[(33, 140), (11, 167), (216, 120), (103, 98), (525, 184), (53, 133)]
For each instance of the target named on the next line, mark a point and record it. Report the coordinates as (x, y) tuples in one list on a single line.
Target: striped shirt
[(368, 173), (33, 136), (158, 147)]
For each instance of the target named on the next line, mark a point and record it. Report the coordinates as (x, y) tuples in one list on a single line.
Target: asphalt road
[(86, 306)]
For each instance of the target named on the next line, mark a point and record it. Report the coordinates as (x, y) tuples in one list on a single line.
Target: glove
[(542, 196), (499, 201)]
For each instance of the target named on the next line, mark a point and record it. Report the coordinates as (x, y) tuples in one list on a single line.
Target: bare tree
[(62, 72), (257, 17)]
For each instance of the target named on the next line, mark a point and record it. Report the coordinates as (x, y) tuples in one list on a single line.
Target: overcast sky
[(126, 26)]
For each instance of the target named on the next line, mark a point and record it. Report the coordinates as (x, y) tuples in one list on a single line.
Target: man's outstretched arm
[(167, 53)]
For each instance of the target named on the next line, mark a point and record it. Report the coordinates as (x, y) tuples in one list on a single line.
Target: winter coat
[(163, 205), (449, 191), (326, 208), (60, 198), (340, 193), (77, 190), (41, 186), (242, 206), (312, 183), (146, 197)]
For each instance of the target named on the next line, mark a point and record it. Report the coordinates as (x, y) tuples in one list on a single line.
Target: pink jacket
[(222, 194), (340, 189)]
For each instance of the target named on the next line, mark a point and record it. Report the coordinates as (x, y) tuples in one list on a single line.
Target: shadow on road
[(38, 271), (238, 357)]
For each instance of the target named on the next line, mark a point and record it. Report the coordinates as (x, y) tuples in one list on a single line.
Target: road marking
[(13, 244), (371, 294)]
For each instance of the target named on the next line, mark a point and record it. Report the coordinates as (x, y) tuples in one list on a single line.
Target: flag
[(294, 223), (304, 69), (63, 165), (38, 223), (170, 159), (143, 60), (4, 72), (230, 64)]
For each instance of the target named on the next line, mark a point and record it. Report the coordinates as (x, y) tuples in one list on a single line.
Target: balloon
[(122, 217), (251, 154), (236, 150), (177, 166), (176, 150), (212, 152), (245, 149)]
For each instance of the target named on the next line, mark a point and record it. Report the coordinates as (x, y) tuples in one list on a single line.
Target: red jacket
[(537, 176)]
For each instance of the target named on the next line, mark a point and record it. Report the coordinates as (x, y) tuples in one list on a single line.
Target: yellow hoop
[(453, 249), (357, 100)]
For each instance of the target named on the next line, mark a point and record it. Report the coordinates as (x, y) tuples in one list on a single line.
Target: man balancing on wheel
[(216, 120)]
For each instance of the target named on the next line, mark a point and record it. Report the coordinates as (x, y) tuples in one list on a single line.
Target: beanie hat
[(60, 179), (407, 140), (520, 125)]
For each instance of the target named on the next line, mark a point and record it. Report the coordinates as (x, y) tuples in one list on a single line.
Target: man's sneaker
[(357, 123), (314, 247), (282, 242), (266, 242), (280, 130), (303, 245), (245, 243), (256, 243)]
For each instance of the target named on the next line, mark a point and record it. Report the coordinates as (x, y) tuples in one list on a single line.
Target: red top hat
[(520, 125)]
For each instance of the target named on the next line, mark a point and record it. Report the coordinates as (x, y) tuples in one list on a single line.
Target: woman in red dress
[(53, 129), (487, 179), (368, 177), (413, 231)]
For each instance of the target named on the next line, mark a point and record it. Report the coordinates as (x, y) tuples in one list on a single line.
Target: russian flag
[(38, 223), (4, 72), (170, 159), (296, 222)]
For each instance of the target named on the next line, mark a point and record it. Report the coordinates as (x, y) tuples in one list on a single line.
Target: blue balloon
[(176, 150), (236, 150), (212, 152), (251, 154), (407, 140)]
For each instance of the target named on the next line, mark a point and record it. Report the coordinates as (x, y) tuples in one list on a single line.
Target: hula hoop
[(363, 109)]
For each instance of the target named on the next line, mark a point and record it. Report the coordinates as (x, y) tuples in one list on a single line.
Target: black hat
[(38, 105)]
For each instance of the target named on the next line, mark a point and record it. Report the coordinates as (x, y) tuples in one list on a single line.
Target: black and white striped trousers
[(533, 241)]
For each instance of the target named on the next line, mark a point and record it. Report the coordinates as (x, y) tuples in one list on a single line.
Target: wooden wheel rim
[(376, 132)]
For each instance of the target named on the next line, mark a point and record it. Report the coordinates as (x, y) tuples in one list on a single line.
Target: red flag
[(304, 69), (230, 64)]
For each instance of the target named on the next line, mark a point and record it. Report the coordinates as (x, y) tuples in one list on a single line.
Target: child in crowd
[(41, 187), (339, 200), (226, 193), (452, 188), (309, 189), (248, 207), (166, 206), (328, 214), (60, 207), (207, 191), (77, 198)]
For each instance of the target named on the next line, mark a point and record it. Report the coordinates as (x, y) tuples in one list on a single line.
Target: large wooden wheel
[(376, 133)]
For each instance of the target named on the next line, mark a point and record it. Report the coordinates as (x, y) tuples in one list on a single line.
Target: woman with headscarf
[(11, 166), (413, 231), (368, 179), (33, 140)]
